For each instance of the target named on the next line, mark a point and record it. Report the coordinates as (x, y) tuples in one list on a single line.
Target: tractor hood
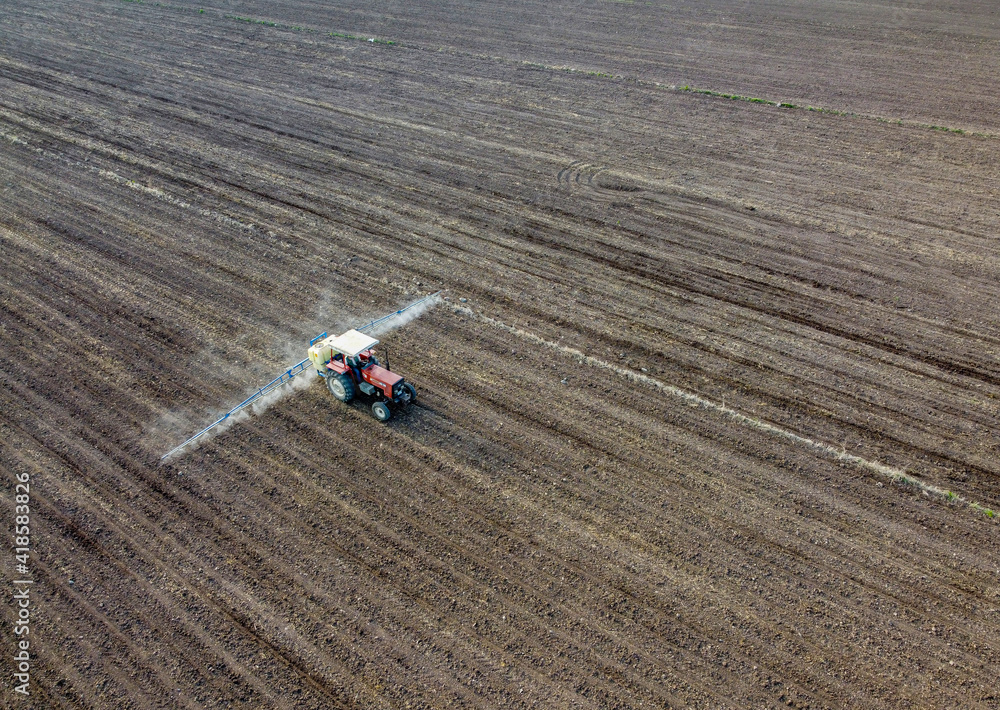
[(381, 378)]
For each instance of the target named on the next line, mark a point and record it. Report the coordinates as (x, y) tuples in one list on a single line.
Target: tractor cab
[(352, 349)]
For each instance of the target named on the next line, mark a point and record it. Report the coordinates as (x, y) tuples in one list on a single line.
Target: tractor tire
[(381, 411), (341, 387), (408, 388)]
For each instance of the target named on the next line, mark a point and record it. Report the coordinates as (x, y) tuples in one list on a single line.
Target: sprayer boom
[(400, 312), (274, 384), (338, 373)]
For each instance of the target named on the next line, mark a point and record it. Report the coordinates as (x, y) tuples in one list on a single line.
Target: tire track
[(891, 473)]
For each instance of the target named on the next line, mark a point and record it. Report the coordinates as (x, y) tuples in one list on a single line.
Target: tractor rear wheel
[(341, 387), (381, 411)]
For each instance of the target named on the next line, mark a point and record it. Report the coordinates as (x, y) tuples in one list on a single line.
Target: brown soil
[(187, 197)]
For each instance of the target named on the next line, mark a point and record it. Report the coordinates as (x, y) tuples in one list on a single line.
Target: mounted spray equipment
[(350, 369)]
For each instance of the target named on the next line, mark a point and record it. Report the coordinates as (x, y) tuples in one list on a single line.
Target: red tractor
[(350, 367)]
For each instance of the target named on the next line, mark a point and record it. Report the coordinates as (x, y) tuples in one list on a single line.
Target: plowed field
[(707, 419)]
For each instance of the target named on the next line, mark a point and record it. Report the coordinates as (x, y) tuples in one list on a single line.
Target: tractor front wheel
[(341, 387), (411, 394), (381, 411)]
